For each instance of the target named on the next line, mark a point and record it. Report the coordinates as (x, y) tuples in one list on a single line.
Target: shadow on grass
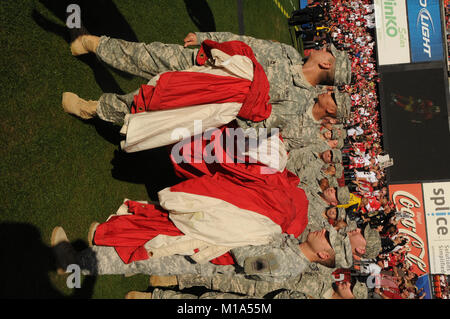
[(25, 263), (201, 15), (152, 168), (99, 18)]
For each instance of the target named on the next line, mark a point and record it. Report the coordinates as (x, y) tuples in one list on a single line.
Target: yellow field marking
[(283, 11)]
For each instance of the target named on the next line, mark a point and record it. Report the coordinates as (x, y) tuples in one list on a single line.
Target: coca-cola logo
[(406, 203)]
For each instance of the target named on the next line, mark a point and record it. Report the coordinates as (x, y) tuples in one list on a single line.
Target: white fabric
[(270, 151), (164, 245), (368, 176), (371, 268), (159, 128), (216, 221)]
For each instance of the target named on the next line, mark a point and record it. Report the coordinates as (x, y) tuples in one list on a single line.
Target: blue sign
[(423, 282), (425, 32), (303, 3)]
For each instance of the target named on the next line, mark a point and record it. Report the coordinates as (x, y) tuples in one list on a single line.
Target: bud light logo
[(424, 20), (425, 30)]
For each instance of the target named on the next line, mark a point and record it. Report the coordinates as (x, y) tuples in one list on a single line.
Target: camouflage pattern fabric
[(102, 260), (145, 59), (308, 285), (171, 294), (343, 72), (283, 258)]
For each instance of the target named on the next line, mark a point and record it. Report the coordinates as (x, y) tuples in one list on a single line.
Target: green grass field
[(58, 170)]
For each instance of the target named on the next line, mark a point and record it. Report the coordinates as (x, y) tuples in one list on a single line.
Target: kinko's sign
[(392, 32), (408, 199)]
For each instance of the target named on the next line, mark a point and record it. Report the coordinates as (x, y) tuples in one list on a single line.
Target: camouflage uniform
[(273, 55), (282, 257), (171, 294), (281, 63), (309, 175), (289, 90), (312, 282), (102, 260), (307, 285), (300, 158), (310, 285)]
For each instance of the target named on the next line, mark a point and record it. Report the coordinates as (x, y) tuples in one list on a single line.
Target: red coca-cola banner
[(408, 198)]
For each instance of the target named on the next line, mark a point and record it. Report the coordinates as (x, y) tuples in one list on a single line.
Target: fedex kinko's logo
[(405, 202), (424, 20)]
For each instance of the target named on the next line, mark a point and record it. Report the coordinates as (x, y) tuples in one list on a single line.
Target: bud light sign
[(424, 19)]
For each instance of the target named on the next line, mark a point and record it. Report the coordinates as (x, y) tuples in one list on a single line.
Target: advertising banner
[(408, 198), (425, 30), (437, 211), (392, 32)]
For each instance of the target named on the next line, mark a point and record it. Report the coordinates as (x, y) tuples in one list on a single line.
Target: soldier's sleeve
[(171, 294), (241, 254), (312, 284), (238, 284), (264, 262), (228, 36), (319, 146), (289, 294)]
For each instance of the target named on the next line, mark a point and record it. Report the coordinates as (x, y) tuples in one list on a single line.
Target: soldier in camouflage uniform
[(300, 128), (283, 65), (310, 285), (283, 258)]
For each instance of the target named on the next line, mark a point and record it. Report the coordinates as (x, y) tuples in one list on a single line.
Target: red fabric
[(286, 205), (337, 274), (273, 195), (341, 180), (256, 106), (129, 233), (392, 294), (180, 89)]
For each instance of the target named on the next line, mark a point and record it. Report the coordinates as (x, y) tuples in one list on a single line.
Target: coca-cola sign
[(408, 199)]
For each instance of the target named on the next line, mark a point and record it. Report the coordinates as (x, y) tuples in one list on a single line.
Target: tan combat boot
[(138, 295), (163, 281), (73, 104), (84, 44), (64, 252)]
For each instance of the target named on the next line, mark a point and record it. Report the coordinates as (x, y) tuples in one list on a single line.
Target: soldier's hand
[(332, 143), (340, 224), (190, 39)]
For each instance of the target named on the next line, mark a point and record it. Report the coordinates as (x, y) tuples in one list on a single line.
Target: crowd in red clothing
[(351, 24)]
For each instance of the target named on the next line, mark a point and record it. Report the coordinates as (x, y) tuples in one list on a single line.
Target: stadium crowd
[(344, 244), (351, 24)]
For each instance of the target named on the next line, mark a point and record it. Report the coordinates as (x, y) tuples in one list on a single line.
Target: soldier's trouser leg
[(170, 294), (113, 107), (237, 284), (102, 260), (142, 59)]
